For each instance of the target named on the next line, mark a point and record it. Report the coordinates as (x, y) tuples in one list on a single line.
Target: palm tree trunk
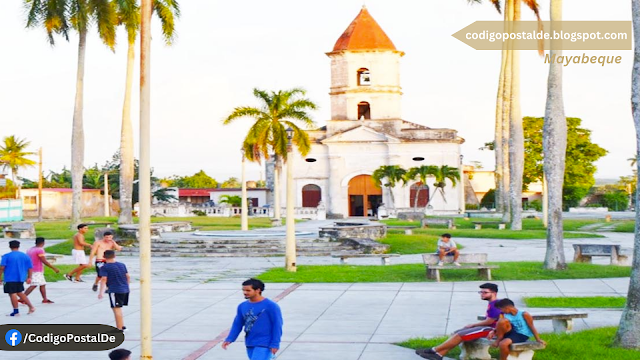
[(506, 115), (628, 334), (415, 201), (516, 139), (126, 146), (555, 148), (77, 137), (14, 177), (393, 199), (276, 188), (497, 143)]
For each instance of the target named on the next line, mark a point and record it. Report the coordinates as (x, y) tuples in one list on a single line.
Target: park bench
[(408, 230), (479, 349), (478, 224), (562, 320), (584, 252), (385, 258), (20, 230), (424, 223), (52, 258), (105, 223), (468, 261)]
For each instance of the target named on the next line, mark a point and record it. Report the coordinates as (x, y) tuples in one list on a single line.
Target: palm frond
[(242, 112), (167, 11), (104, 15), (128, 14)]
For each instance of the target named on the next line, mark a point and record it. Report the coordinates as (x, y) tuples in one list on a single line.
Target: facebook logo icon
[(13, 337)]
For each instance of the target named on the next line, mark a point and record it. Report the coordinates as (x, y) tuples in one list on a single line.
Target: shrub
[(199, 213), (535, 204), (471, 206), (489, 199)]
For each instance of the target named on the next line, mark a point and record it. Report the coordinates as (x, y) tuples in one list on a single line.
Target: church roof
[(364, 33)]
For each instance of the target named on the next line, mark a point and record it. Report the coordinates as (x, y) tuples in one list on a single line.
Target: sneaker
[(124, 329), (14, 314), (456, 263), (440, 263), (68, 277), (94, 287), (425, 351), (78, 281), (431, 355)]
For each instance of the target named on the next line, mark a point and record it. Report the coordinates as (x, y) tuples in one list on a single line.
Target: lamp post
[(244, 216), (290, 249), (461, 195)]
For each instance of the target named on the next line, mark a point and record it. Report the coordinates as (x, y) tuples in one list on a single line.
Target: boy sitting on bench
[(514, 326)]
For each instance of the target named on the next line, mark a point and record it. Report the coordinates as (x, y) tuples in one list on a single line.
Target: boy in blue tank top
[(514, 326)]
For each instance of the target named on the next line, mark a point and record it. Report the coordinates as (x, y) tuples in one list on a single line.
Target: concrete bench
[(479, 350), (562, 320), (106, 223), (21, 230), (408, 230), (478, 224), (584, 252), (468, 260), (385, 258), (424, 223), (52, 258)]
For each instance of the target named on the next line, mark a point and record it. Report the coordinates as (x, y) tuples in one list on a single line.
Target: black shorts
[(516, 337), (118, 299), (13, 287), (99, 265)]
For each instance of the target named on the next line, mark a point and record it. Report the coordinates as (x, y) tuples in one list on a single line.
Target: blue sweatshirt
[(262, 322)]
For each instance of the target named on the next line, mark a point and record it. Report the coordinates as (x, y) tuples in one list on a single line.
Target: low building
[(481, 181), (56, 203)]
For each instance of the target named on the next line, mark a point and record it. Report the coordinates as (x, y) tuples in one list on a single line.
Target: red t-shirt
[(34, 255)]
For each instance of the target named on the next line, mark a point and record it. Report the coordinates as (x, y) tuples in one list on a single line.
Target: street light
[(290, 247), (244, 216)]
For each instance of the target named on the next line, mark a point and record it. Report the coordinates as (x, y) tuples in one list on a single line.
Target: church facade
[(366, 131)]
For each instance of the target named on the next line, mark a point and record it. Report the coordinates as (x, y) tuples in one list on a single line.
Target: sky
[(224, 49)]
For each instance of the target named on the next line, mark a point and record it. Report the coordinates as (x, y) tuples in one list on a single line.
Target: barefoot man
[(97, 251), (78, 254)]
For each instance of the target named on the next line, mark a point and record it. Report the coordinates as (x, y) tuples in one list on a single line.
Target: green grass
[(411, 244), (416, 273), (527, 224), (576, 302), (51, 276), (587, 344), (626, 226)]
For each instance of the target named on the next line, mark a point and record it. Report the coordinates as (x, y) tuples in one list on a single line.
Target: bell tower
[(365, 73)]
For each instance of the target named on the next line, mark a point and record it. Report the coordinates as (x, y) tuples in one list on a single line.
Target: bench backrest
[(471, 258), (22, 226), (596, 249), (443, 221)]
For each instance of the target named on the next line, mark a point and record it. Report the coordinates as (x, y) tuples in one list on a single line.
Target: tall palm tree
[(420, 173), (633, 160), (628, 334), (442, 174), (268, 135), (128, 15), (58, 17), (554, 136), (13, 155), (392, 174)]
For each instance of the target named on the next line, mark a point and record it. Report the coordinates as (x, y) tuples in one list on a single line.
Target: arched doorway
[(423, 195), (364, 196), (311, 195)]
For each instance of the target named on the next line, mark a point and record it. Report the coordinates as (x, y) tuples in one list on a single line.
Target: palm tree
[(421, 173), (442, 174), (392, 174), (13, 155), (628, 334), (57, 17), (128, 15), (267, 135), (555, 148), (633, 160), (232, 200)]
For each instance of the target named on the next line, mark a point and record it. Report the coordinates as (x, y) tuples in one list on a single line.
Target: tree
[(392, 174), (268, 133), (231, 183), (14, 156), (421, 173), (628, 334), (58, 17), (442, 174), (232, 200), (128, 15)]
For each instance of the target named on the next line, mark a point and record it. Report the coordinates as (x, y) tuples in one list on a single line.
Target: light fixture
[(289, 133)]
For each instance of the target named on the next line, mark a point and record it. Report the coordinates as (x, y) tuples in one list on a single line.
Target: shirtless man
[(78, 253), (97, 251)]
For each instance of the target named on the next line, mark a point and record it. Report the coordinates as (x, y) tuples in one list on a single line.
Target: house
[(56, 203)]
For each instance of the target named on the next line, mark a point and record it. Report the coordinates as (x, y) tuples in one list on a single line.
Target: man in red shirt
[(38, 259)]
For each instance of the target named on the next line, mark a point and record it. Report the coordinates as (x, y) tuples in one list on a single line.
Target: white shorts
[(37, 279), (79, 257)]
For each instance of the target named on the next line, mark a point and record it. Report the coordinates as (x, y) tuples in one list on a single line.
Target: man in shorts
[(78, 254), (17, 269), (482, 329), (116, 278), (38, 260), (97, 250)]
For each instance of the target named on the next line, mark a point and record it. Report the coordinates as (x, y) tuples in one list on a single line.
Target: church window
[(364, 77), (311, 195), (310, 160), (418, 158), (364, 110)]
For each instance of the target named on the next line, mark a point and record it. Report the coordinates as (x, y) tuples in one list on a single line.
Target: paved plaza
[(194, 302)]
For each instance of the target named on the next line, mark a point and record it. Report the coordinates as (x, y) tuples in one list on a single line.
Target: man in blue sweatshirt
[(262, 322)]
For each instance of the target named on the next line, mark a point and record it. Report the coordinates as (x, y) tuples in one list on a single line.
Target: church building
[(366, 131)]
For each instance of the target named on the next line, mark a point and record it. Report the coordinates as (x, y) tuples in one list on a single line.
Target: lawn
[(51, 276), (411, 244), (416, 273), (626, 226), (576, 302), (527, 224), (587, 344)]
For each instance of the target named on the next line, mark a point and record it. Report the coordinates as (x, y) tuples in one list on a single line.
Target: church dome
[(364, 33)]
